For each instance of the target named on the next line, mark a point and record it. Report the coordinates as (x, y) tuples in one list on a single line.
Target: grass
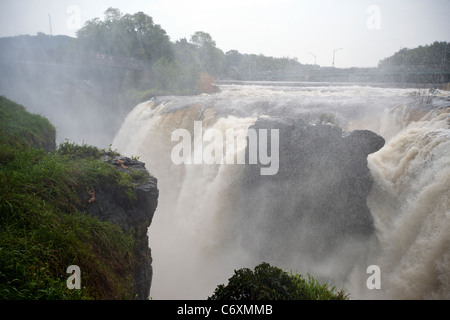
[(312, 289), (22, 127), (43, 228)]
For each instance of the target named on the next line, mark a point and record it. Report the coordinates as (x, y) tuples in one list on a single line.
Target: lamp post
[(334, 51), (314, 57)]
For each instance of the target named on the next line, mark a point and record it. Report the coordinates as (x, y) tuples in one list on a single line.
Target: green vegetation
[(175, 66), (24, 128), (434, 56), (271, 283), (43, 228), (131, 53), (125, 36), (135, 41)]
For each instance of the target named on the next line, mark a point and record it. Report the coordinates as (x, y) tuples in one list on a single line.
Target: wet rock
[(317, 199)]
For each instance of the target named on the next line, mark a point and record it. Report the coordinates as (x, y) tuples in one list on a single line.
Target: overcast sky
[(366, 30)]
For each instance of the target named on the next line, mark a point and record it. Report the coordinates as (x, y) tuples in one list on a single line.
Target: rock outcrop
[(325, 170), (132, 212)]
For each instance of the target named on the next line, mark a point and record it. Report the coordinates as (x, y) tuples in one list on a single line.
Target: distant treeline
[(434, 56), (135, 41), (175, 64), (147, 63)]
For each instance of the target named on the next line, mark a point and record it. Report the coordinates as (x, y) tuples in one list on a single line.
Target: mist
[(213, 219), (43, 74), (361, 175)]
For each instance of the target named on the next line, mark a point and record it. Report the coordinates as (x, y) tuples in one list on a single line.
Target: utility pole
[(334, 51), (50, 22)]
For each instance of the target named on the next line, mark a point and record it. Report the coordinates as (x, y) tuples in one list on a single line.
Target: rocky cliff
[(132, 212)]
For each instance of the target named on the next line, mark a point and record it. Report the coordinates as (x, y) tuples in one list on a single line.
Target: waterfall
[(188, 258), (410, 202), (196, 236)]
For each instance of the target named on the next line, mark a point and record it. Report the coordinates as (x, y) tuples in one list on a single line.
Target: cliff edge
[(132, 212), (74, 205)]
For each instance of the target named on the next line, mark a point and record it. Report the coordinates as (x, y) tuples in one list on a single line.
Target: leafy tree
[(202, 40), (436, 55), (271, 283), (212, 59), (126, 36), (188, 62)]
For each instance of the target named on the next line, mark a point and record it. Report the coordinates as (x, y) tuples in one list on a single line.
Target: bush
[(271, 283)]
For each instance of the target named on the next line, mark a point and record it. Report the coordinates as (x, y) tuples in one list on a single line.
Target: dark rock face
[(135, 215), (318, 197)]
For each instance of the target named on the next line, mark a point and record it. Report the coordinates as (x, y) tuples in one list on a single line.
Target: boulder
[(318, 197)]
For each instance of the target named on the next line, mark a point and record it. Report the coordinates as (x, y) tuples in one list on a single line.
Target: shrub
[(271, 283)]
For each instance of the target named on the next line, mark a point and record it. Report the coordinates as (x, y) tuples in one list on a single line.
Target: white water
[(193, 246), (411, 205)]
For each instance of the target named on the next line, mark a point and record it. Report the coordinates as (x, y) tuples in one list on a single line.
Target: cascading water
[(196, 235), (410, 202)]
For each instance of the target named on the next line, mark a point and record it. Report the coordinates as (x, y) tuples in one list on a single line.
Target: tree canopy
[(175, 64), (267, 282), (126, 36), (436, 55)]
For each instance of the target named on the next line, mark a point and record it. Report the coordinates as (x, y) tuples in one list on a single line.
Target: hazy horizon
[(366, 30)]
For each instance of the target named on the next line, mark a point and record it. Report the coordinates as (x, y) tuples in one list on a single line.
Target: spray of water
[(194, 240), (410, 202)]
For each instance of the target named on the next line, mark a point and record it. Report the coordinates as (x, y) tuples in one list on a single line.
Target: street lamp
[(314, 57), (334, 51)]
